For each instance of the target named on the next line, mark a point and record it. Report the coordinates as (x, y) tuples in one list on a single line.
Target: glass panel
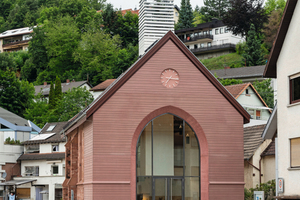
[(191, 188), (161, 189), (144, 188), (163, 143), (143, 162), (176, 189), (295, 152), (191, 152), (296, 89), (178, 146)]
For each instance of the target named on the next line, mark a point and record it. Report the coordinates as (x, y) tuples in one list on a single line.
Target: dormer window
[(50, 128)]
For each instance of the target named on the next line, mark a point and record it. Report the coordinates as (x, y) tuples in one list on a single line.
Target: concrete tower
[(156, 18)]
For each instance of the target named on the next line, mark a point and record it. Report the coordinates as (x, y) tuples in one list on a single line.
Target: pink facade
[(106, 137)]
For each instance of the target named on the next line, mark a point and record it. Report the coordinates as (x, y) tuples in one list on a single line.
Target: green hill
[(232, 60)]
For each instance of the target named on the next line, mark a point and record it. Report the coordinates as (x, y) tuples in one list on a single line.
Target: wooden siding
[(115, 122), (88, 150)]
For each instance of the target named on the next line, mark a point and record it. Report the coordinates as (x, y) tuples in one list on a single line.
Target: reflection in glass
[(176, 191), (143, 162), (144, 188), (191, 152), (161, 189), (191, 188)]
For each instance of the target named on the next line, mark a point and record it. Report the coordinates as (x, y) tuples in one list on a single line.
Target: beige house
[(15, 39)]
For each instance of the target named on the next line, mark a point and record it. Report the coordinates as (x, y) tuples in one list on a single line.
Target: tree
[(186, 17), (128, 28), (214, 9), (271, 28), (15, 95), (52, 97), (198, 17), (265, 91), (242, 13), (272, 5), (58, 89), (7, 62), (110, 19), (97, 52), (225, 82), (73, 101), (253, 54)]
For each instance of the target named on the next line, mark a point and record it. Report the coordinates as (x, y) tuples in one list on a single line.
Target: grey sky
[(126, 4)]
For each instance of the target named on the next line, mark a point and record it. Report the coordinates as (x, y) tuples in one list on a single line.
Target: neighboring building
[(245, 74), (17, 128), (135, 11), (99, 89), (43, 162), (283, 64), (165, 128), (15, 40), (45, 89), (259, 157), (209, 39), (176, 13), (155, 20), (249, 98)]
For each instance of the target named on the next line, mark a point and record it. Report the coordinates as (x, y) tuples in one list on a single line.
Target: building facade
[(15, 40), (156, 18), (209, 39), (164, 129), (43, 162), (284, 122)]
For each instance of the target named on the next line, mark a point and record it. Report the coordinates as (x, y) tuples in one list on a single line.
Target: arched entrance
[(167, 160)]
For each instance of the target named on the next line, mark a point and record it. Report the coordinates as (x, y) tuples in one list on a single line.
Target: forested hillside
[(71, 39)]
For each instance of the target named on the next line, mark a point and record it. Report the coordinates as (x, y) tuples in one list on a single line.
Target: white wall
[(44, 167), (288, 116)]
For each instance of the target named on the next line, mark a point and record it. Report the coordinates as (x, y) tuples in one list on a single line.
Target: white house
[(99, 89), (283, 64), (12, 127), (249, 98), (209, 39), (43, 163)]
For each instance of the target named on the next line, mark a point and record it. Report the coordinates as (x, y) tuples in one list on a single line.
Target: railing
[(7, 43), (190, 39), (214, 47)]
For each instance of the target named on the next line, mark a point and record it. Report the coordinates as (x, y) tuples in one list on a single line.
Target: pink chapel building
[(165, 129)]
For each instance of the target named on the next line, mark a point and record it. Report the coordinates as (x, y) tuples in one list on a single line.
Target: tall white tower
[(156, 18)]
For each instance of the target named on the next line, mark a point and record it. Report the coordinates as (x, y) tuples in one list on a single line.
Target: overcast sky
[(126, 4)]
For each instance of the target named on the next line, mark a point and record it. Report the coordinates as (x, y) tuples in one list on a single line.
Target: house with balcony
[(12, 128), (209, 39), (42, 165), (15, 39)]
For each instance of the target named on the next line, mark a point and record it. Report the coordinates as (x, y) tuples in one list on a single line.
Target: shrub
[(269, 188)]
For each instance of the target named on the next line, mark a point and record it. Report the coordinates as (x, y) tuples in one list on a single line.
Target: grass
[(232, 60)]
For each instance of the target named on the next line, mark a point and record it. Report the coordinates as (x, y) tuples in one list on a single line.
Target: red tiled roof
[(103, 85), (130, 10), (236, 90)]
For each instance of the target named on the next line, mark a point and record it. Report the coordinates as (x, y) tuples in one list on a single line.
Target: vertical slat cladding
[(116, 121), (88, 150)]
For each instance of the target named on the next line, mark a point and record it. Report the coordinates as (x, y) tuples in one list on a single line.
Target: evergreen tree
[(253, 53), (57, 90), (51, 97), (186, 17), (214, 9)]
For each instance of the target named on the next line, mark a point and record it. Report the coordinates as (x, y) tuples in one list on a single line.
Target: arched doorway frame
[(204, 159)]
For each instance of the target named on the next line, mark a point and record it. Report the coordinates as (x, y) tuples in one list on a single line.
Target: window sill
[(293, 104), (293, 168)]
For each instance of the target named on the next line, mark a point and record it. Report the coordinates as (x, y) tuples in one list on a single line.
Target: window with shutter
[(295, 152)]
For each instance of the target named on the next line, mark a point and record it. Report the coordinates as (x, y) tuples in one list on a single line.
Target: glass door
[(167, 188)]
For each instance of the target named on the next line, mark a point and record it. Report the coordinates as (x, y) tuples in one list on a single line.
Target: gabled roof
[(87, 112), (271, 71), (239, 73), (270, 150), (252, 140), (238, 89), (102, 86), (45, 89), (16, 122), (55, 138)]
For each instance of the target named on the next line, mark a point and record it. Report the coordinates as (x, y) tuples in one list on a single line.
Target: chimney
[(45, 83), (68, 81), (227, 67)]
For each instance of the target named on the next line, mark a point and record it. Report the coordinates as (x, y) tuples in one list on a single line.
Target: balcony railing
[(214, 47), (7, 43), (195, 38)]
